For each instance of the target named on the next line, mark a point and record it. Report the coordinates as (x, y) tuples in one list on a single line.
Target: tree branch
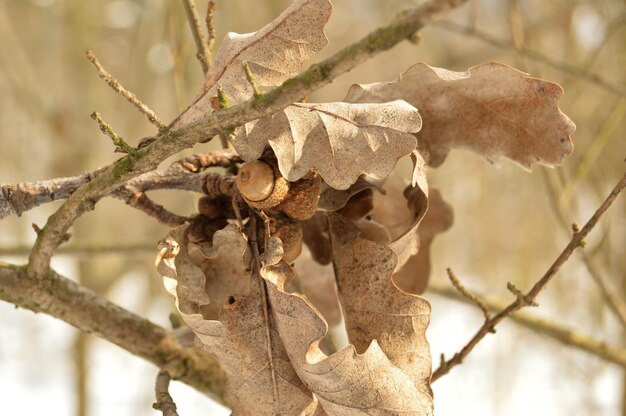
[(203, 53), (172, 141), (542, 326), (182, 174), (80, 307), (525, 300), (534, 55), (119, 88), (164, 401)]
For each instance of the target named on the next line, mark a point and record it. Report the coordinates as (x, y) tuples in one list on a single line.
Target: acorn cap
[(261, 185)]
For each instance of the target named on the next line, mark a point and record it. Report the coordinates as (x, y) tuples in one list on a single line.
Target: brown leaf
[(315, 236), (332, 199), (414, 275), (348, 383), (274, 54), (340, 141), (257, 384), (224, 265), (491, 109), (373, 306), (391, 210), (316, 281)]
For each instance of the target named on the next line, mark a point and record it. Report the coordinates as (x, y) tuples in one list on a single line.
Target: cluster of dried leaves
[(264, 320)]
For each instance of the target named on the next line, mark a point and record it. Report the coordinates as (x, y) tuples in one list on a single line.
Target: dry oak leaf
[(256, 383), (340, 141), (391, 210), (386, 375), (224, 263), (275, 53), (491, 109)]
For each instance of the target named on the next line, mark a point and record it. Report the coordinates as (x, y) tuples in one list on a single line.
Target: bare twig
[(610, 295), (254, 244), (252, 81), (173, 141), (543, 326), (210, 27), (471, 296), (534, 55), (204, 53), (164, 401), (182, 174), (525, 299), (132, 98), (142, 202), (78, 306), (106, 128)]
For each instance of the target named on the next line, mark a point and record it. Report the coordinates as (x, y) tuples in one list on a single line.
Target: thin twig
[(142, 202), (182, 174), (132, 98), (616, 303), (252, 81), (80, 307), (164, 401), (222, 104), (534, 55), (106, 128), (254, 243), (471, 296), (543, 326), (173, 141), (529, 297), (210, 27), (203, 53)]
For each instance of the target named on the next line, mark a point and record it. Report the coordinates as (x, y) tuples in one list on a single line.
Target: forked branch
[(172, 141), (80, 307), (530, 296)]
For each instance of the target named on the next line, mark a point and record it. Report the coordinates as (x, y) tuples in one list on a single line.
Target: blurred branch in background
[(542, 326), (523, 300), (66, 300), (204, 52), (535, 55)]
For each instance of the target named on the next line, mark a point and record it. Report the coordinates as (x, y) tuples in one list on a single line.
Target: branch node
[(415, 38), (36, 228), (164, 401), (522, 298), (120, 144), (132, 98), (582, 243), (468, 294), (252, 81)]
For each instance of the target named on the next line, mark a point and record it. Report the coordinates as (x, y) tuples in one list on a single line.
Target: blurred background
[(509, 224)]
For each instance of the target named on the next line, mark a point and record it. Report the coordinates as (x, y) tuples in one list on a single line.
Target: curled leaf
[(340, 141), (345, 383), (414, 275), (491, 109), (245, 342), (274, 54)]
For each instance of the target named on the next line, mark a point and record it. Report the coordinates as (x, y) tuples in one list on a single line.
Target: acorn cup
[(263, 187)]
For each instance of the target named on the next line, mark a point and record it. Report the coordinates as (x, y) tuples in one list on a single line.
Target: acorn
[(261, 185), (303, 197), (289, 232)]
